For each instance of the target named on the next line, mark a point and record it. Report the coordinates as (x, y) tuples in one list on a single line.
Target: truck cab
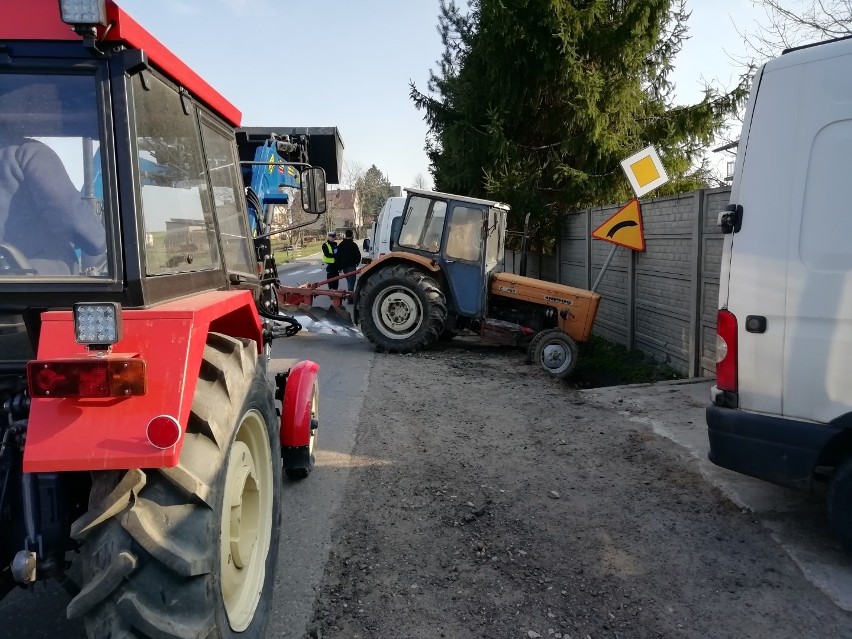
[(385, 228)]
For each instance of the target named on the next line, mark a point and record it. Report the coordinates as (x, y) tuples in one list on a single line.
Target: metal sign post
[(604, 267)]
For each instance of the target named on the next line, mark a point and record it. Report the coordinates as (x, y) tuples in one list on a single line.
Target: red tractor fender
[(79, 434), (296, 404)]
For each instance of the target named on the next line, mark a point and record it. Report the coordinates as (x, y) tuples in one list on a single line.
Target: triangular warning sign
[(624, 228)]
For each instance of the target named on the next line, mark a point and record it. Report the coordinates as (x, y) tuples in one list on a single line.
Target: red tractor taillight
[(110, 377), (726, 351)]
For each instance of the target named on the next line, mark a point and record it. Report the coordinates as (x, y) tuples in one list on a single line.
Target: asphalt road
[(308, 505)]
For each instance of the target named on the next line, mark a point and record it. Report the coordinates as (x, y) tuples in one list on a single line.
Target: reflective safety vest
[(327, 248)]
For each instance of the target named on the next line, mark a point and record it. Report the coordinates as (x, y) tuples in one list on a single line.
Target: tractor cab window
[(423, 227), (228, 199), (51, 188), (180, 233), (496, 232), (465, 234)]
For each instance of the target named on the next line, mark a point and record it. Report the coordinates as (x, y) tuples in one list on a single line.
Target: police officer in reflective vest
[(329, 248)]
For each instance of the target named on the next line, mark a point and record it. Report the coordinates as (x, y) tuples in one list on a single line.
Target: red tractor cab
[(137, 422)]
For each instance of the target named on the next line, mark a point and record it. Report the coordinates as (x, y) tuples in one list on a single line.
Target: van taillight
[(726, 351), (90, 377)]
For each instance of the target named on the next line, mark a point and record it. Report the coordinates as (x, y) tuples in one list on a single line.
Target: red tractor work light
[(97, 325), (101, 377), (83, 13)]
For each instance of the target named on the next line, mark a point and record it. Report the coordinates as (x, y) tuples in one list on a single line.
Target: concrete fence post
[(588, 248), (631, 299), (559, 278), (695, 285)]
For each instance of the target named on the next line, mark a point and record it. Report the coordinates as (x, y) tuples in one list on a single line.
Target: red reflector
[(107, 377), (726, 351), (163, 431)]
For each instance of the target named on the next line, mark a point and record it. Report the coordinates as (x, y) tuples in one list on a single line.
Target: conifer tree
[(536, 102), (373, 189)]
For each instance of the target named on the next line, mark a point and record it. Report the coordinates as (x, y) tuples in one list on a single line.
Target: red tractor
[(137, 423)]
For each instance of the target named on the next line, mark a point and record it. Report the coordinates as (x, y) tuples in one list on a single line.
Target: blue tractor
[(270, 159), (443, 276)]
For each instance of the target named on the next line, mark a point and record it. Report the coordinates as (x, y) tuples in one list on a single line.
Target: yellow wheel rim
[(246, 520)]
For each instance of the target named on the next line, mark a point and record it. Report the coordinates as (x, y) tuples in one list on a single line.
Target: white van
[(387, 223), (782, 404)]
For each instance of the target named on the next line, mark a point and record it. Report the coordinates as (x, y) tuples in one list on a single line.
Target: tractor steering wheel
[(13, 262)]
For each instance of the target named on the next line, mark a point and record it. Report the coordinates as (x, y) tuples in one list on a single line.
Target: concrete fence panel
[(663, 301)]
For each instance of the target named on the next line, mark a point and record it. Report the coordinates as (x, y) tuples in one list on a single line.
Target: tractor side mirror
[(366, 244), (314, 190)]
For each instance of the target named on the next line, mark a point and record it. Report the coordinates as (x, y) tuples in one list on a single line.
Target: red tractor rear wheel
[(191, 551)]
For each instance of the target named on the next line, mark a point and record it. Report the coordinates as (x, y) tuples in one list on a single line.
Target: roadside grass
[(605, 363), (283, 257)]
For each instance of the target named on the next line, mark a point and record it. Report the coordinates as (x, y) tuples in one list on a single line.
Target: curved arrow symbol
[(619, 226)]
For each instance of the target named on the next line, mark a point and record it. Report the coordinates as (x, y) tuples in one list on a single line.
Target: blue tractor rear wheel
[(402, 309)]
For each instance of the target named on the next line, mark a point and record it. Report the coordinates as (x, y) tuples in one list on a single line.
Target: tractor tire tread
[(163, 532), (297, 473), (152, 623), (114, 502), (103, 585), (533, 345)]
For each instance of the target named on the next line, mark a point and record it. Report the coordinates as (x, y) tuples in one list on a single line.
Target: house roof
[(341, 199)]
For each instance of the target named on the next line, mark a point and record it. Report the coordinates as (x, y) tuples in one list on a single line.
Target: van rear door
[(755, 283), (818, 343)]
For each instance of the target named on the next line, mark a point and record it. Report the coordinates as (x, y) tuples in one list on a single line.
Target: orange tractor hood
[(576, 307)]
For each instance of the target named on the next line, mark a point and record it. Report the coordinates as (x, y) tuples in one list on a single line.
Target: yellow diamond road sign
[(645, 171)]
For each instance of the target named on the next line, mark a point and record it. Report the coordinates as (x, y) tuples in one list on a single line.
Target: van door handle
[(755, 324)]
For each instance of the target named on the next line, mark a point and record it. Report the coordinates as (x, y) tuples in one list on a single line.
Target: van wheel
[(402, 310), (191, 551), (839, 503)]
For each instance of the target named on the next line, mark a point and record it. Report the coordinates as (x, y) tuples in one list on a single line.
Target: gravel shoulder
[(492, 501)]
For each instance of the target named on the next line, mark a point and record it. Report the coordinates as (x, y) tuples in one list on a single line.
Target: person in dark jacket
[(348, 258), (42, 214), (329, 258)]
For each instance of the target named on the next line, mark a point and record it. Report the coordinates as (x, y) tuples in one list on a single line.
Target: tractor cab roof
[(459, 198), (40, 20)]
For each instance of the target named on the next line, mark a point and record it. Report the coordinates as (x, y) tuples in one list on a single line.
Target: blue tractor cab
[(463, 235), (436, 278)]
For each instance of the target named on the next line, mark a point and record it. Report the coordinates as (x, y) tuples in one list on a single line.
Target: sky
[(349, 64)]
